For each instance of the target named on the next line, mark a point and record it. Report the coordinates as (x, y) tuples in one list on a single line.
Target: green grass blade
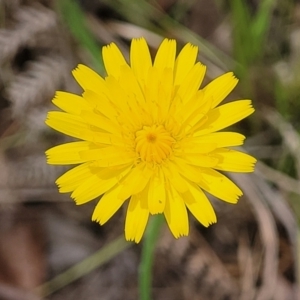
[(84, 267), (75, 20)]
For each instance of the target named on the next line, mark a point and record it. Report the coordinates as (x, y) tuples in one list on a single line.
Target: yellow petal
[(165, 91), (70, 103), (109, 139), (108, 205), (108, 156), (113, 60), (100, 104), (193, 114), (157, 89), (184, 62), (176, 214), (217, 90), (130, 84), (113, 161), (191, 83), (170, 171), (121, 100), (201, 160), (219, 185), (157, 193), (140, 59), (67, 154), (136, 180), (192, 146), (91, 188), (186, 170), (68, 124), (220, 139), (89, 79), (210, 180), (100, 121), (233, 161), (95, 186), (136, 218), (70, 180), (75, 126), (226, 115), (198, 204), (165, 57), (190, 116), (152, 96)]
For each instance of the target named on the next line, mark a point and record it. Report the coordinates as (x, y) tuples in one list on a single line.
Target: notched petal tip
[(167, 41), (181, 234), (113, 60), (233, 76), (230, 77), (131, 238), (48, 117), (56, 95), (48, 158), (49, 154), (191, 46), (78, 68), (235, 198), (211, 222), (139, 39), (97, 219)]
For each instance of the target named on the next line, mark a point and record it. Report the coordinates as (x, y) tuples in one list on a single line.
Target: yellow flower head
[(149, 135)]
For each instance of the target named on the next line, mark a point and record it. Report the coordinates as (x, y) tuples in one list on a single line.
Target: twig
[(282, 180), (268, 231), (84, 267)]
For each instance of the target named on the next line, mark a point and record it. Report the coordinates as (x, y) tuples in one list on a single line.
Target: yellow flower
[(149, 135)]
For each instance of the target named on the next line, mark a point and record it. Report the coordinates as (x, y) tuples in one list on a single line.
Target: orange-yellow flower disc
[(148, 134)]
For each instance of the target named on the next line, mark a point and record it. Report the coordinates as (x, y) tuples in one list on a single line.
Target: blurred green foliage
[(75, 19)]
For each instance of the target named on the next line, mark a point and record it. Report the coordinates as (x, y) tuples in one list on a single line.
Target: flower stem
[(145, 268)]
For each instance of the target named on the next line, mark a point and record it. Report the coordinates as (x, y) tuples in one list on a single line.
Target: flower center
[(153, 143)]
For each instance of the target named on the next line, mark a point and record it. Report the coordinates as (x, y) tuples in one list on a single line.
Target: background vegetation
[(49, 248)]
